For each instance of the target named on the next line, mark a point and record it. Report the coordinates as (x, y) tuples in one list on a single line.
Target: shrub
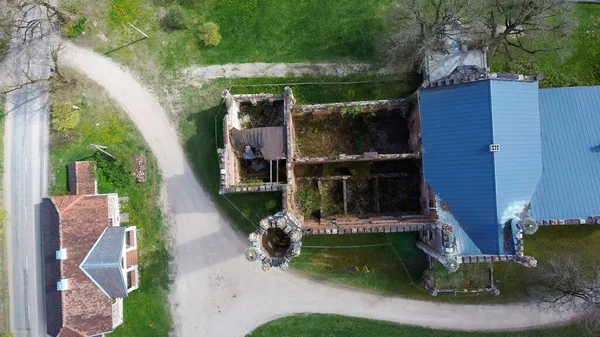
[(270, 204), (112, 170), (175, 18), (75, 29), (64, 117), (309, 200), (209, 34)]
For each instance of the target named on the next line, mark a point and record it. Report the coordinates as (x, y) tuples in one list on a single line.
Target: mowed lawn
[(284, 31), (147, 309), (252, 31), (314, 325)]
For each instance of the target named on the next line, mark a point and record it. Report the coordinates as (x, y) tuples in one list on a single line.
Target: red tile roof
[(67, 332), (81, 178), (86, 309)]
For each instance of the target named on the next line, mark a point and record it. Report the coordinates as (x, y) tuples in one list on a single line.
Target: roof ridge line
[(497, 232)]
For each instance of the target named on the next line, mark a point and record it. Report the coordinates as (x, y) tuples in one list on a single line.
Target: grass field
[(252, 31), (315, 325), (146, 310), (375, 268)]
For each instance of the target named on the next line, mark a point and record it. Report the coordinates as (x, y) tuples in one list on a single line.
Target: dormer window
[(61, 254), (62, 285)]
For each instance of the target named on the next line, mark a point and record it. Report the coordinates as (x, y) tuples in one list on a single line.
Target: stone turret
[(277, 240)]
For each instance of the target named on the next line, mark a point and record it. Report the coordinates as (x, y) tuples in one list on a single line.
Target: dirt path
[(202, 74), (216, 292)]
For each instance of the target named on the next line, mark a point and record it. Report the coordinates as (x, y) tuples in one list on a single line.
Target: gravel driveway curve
[(216, 292)]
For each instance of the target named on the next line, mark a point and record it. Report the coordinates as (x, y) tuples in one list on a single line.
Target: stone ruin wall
[(348, 224), (414, 125), (289, 195), (365, 107), (228, 162), (592, 220), (368, 156)]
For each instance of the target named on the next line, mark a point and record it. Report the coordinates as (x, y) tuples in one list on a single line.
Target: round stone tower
[(276, 241)]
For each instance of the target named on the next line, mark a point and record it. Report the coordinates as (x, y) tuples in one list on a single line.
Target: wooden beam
[(345, 198)]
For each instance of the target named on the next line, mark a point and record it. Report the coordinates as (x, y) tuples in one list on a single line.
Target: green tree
[(209, 34), (64, 117)]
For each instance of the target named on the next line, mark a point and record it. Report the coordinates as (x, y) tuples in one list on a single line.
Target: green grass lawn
[(252, 30), (282, 31), (147, 310), (372, 268), (315, 325)]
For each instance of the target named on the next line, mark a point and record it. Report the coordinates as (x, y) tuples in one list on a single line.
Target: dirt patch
[(263, 114), (276, 242), (399, 194), (378, 187), (361, 196), (140, 168), (332, 198)]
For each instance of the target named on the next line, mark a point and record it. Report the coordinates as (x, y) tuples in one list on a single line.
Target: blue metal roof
[(459, 122), (570, 183), (518, 165), (464, 244)]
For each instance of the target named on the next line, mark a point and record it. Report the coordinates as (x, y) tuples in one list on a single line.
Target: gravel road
[(202, 74), (216, 292)]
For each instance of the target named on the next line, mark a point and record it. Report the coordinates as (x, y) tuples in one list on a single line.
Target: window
[(494, 147), (62, 285), (61, 254)]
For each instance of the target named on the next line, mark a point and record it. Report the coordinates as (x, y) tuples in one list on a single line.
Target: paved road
[(25, 184), (216, 292), (26, 166)]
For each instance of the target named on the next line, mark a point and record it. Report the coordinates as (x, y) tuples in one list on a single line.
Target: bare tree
[(34, 18), (566, 284), (420, 27), (35, 46), (514, 24)]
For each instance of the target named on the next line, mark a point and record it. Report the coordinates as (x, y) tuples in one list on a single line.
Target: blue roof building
[(482, 187), (496, 149), (569, 186)]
